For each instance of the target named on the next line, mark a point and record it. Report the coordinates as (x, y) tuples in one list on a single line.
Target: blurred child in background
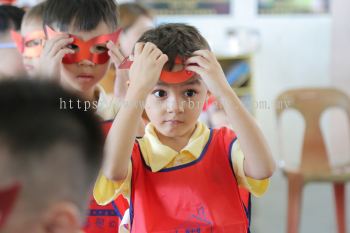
[(134, 20), (31, 39), (11, 64)]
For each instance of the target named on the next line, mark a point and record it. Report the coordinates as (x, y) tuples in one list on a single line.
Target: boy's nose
[(86, 62), (175, 106)]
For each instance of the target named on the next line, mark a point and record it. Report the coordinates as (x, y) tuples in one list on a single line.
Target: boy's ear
[(61, 217)]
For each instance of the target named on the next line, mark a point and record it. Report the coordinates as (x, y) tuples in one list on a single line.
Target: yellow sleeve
[(108, 106), (106, 190), (256, 187)]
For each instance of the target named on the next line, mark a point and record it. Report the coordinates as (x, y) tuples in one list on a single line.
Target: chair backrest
[(312, 103)]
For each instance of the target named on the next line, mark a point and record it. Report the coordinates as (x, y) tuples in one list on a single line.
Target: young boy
[(76, 50), (10, 19), (49, 158), (181, 176), (31, 39)]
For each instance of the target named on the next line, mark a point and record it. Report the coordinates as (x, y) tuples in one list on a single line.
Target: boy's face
[(12, 66), (31, 64), (84, 75), (174, 108)]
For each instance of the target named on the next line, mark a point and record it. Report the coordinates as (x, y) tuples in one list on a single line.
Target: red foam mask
[(30, 45), (8, 198), (87, 50), (166, 76)]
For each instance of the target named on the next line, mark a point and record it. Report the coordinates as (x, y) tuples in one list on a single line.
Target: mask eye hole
[(32, 43), (99, 48), (73, 47)]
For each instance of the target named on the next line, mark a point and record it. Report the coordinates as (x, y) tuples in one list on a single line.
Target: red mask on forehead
[(23, 46), (166, 76), (84, 51), (8, 198)]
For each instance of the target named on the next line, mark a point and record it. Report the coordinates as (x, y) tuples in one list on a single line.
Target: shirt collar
[(158, 155)]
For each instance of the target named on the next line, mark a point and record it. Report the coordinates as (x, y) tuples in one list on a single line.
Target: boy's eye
[(190, 93), (33, 43), (99, 49), (73, 46), (159, 93)]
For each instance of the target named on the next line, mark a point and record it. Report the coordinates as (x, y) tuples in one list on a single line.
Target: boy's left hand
[(122, 75), (210, 71), (114, 52)]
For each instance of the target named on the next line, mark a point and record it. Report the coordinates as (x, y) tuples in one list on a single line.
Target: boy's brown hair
[(175, 39), (35, 13)]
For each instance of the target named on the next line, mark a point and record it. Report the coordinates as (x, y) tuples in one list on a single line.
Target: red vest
[(105, 219), (201, 196)]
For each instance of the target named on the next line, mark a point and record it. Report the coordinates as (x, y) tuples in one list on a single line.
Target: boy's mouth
[(174, 122), (85, 77), (28, 67)]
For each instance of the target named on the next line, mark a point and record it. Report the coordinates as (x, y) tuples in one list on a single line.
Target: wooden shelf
[(242, 91), (234, 57), (245, 92)]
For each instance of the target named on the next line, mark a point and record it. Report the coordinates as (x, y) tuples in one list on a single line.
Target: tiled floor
[(318, 213)]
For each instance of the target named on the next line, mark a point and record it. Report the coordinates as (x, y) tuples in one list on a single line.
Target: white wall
[(340, 68), (340, 76)]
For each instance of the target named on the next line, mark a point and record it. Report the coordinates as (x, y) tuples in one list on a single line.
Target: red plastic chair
[(314, 166)]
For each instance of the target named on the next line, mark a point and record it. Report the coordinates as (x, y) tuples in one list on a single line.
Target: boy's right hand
[(146, 68), (51, 57)]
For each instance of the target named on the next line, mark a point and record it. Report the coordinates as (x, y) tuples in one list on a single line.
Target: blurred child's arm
[(121, 79), (144, 74), (258, 163), (120, 84), (52, 55)]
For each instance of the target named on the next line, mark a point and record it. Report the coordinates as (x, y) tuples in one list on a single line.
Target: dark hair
[(33, 126), (130, 12), (10, 17), (36, 12), (175, 39), (84, 15)]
